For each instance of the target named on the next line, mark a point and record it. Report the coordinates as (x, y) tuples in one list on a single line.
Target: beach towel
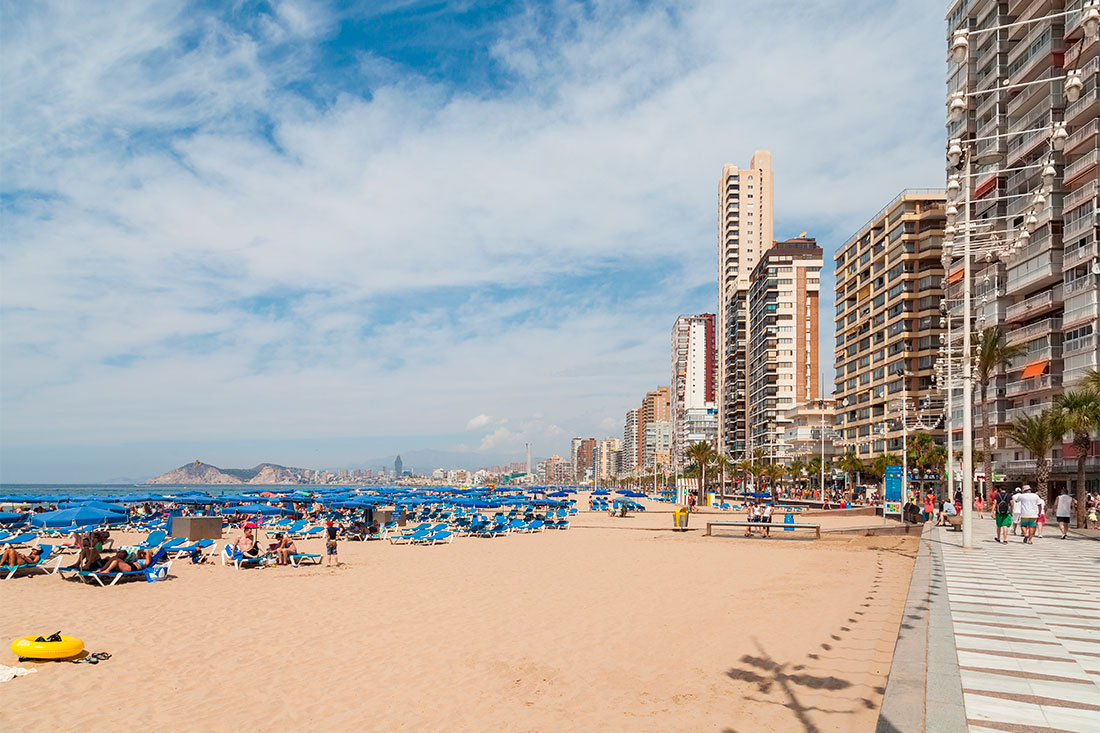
[(10, 673)]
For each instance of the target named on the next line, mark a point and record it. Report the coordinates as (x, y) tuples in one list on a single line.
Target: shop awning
[(1035, 369), (956, 275)]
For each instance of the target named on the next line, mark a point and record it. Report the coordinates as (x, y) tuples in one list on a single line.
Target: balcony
[(1027, 411), (1036, 384), (1076, 286), (1020, 146), (1033, 306), (1080, 165), (1085, 133), (1033, 331), (1080, 315), (1084, 106), (1081, 195), (1078, 254), (1082, 343), (1036, 49), (1078, 226)]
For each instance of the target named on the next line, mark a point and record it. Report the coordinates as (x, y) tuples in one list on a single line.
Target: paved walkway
[(1026, 623)]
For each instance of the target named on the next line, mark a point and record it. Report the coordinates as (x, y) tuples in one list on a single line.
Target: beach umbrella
[(80, 516), (116, 508), (10, 517), (259, 509)]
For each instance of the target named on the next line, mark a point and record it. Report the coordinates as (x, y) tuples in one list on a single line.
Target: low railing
[(1034, 304), (1033, 331), (1080, 225), (1082, 194), (1034, 384), (1088, 98), (1081, 164), (1078, 254), (1083, 133)]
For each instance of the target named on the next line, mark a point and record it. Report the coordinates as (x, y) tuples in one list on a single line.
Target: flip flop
[(86, 660), (102, 656)]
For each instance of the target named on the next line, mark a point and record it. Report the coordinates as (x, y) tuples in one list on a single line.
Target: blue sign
[(893, 483)]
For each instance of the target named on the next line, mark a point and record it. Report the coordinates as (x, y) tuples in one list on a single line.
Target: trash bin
[(680, 518)]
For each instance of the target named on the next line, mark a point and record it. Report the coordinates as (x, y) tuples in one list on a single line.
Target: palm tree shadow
[(766, 673)]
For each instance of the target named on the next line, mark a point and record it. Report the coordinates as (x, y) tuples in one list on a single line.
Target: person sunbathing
[(119, 563), (283, 549), (246, 543), (89, 557), (10, 558)]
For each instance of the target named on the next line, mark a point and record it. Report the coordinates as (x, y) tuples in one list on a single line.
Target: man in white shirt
[(1063, 510), (1029, 502), (766, 519)]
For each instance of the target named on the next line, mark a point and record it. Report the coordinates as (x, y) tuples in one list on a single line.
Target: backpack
[(1004, 503)]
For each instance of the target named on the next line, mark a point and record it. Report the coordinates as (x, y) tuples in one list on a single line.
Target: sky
[(311, 233)]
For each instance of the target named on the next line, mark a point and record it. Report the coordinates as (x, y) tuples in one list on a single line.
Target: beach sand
[(614, 624)]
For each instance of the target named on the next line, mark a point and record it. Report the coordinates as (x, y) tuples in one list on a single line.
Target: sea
[(51, 493)]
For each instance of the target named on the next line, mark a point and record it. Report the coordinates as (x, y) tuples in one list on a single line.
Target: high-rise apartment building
[(607, 456), (631, 459), (656, 406), (574, 458), (784, 289), (1034, 187), (694, 371), (889, 286), (657, 444), (584, 457), (744, 234)]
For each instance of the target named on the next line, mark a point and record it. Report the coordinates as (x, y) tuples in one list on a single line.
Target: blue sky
[(398, 225)]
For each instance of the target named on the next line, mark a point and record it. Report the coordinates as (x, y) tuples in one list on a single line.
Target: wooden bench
[(778, 527)]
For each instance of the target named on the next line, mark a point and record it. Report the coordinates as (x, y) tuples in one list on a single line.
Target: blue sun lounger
[(10, 571), (233, 556), (202, 547), (25, 538), (305, 558), (439, 537), (157, 566)]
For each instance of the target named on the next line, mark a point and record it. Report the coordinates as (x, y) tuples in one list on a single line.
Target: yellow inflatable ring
[(28, 648)]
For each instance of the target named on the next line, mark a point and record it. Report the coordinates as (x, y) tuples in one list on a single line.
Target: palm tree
[(994, 353), (722, 464), (796, 468), (1092, 380), (1039, 434), (701, 454), (850, 464), (1080, 412), (920, 445)]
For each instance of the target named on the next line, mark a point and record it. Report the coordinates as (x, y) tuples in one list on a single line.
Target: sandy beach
[(614, 624)]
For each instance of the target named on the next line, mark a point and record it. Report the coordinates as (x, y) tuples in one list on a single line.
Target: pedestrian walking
[(1002, 515), (1028, 502), (1016, 509), (330, 544), (979, 504), (1063, 510)]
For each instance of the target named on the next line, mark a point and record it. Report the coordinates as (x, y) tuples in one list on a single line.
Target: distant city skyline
[(216, 240)]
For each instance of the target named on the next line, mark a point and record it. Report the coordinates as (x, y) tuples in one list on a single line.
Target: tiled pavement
[(1026, 621)]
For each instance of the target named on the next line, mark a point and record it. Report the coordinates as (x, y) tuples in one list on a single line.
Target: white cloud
[(479, 421), (432, 239)]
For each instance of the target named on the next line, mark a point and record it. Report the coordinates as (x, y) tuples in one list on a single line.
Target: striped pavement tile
[(1027, 631)]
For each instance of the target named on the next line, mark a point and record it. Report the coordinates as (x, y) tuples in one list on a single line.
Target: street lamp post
[(960, 151)]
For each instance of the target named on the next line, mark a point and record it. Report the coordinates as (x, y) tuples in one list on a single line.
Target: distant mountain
[(267, 474)]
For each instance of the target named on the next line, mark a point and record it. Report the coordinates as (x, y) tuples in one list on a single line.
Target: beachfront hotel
[(1023, 145), (630, 459), (888, 292), (744, 233), (694, 370), (784, 289)]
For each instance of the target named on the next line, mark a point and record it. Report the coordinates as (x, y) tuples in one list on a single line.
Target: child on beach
[(330, 544), (979, 504)]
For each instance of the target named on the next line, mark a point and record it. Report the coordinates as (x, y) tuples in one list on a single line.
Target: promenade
[(1005, 637)]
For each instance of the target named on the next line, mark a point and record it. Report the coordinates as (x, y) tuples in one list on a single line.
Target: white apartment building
[(657, 442), (631, 440), (694, 371)]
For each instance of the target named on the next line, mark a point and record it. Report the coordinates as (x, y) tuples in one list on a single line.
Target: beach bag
[(155, 573), (1004, 503)]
